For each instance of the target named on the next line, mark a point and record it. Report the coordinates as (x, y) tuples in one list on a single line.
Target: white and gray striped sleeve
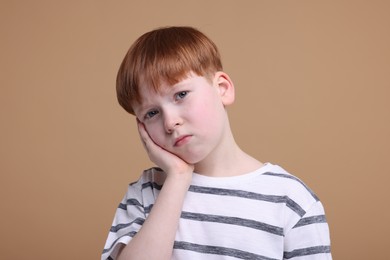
[(309, 237), (129, 217)]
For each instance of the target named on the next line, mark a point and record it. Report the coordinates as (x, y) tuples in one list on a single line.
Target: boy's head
[(165, 55)]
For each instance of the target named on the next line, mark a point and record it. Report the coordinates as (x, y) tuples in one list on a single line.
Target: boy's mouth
[(181, 140)]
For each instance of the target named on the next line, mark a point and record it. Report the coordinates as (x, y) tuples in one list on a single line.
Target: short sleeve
[(128, 219), (309, 237)]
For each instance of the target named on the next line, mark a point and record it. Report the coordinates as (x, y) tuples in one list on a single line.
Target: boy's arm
[(156, 236)]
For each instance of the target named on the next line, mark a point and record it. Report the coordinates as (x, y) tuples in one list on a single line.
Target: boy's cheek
[(156, 138)]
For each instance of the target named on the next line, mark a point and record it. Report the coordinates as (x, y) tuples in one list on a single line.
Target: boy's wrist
[(180, 175)]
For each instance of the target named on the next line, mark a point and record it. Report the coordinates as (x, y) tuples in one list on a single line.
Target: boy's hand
[(167, 161)]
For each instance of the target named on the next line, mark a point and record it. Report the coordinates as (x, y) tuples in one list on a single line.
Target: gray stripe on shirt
[(307, 251), (152, 185), (234, 221), (311, 220), (139, 221), (250, 195)]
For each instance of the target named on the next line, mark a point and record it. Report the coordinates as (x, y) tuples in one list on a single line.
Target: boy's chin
[(187, 159), (190, 159)]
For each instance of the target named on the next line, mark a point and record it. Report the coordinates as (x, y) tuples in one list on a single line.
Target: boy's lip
[(183, 139)]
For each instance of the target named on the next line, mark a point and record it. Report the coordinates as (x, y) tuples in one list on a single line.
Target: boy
[(207, 199)]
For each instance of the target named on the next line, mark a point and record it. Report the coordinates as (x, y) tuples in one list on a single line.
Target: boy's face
[(187, 119)]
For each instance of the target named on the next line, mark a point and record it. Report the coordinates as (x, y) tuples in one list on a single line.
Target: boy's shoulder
[(285, 180), (292, 191)]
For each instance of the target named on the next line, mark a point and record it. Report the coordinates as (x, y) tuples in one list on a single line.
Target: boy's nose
[(172, 122)]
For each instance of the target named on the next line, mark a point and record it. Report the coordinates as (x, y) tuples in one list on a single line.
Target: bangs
[(170, 56)]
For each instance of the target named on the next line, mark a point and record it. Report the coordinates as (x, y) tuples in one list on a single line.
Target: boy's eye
[(151, 114), (181, 95)]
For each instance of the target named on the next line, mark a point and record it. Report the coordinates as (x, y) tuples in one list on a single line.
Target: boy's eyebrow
[(139, 108)]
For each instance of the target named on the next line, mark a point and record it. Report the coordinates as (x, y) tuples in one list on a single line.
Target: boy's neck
[(230, 161)]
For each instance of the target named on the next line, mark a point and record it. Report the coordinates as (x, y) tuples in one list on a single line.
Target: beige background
[(312, 80)]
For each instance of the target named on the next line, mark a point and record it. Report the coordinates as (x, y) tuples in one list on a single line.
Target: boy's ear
[(225, 87)]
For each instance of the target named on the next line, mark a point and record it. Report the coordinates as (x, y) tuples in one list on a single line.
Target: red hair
[(165, 55)]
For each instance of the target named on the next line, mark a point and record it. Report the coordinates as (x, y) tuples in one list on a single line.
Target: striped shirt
[(266, 214)]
